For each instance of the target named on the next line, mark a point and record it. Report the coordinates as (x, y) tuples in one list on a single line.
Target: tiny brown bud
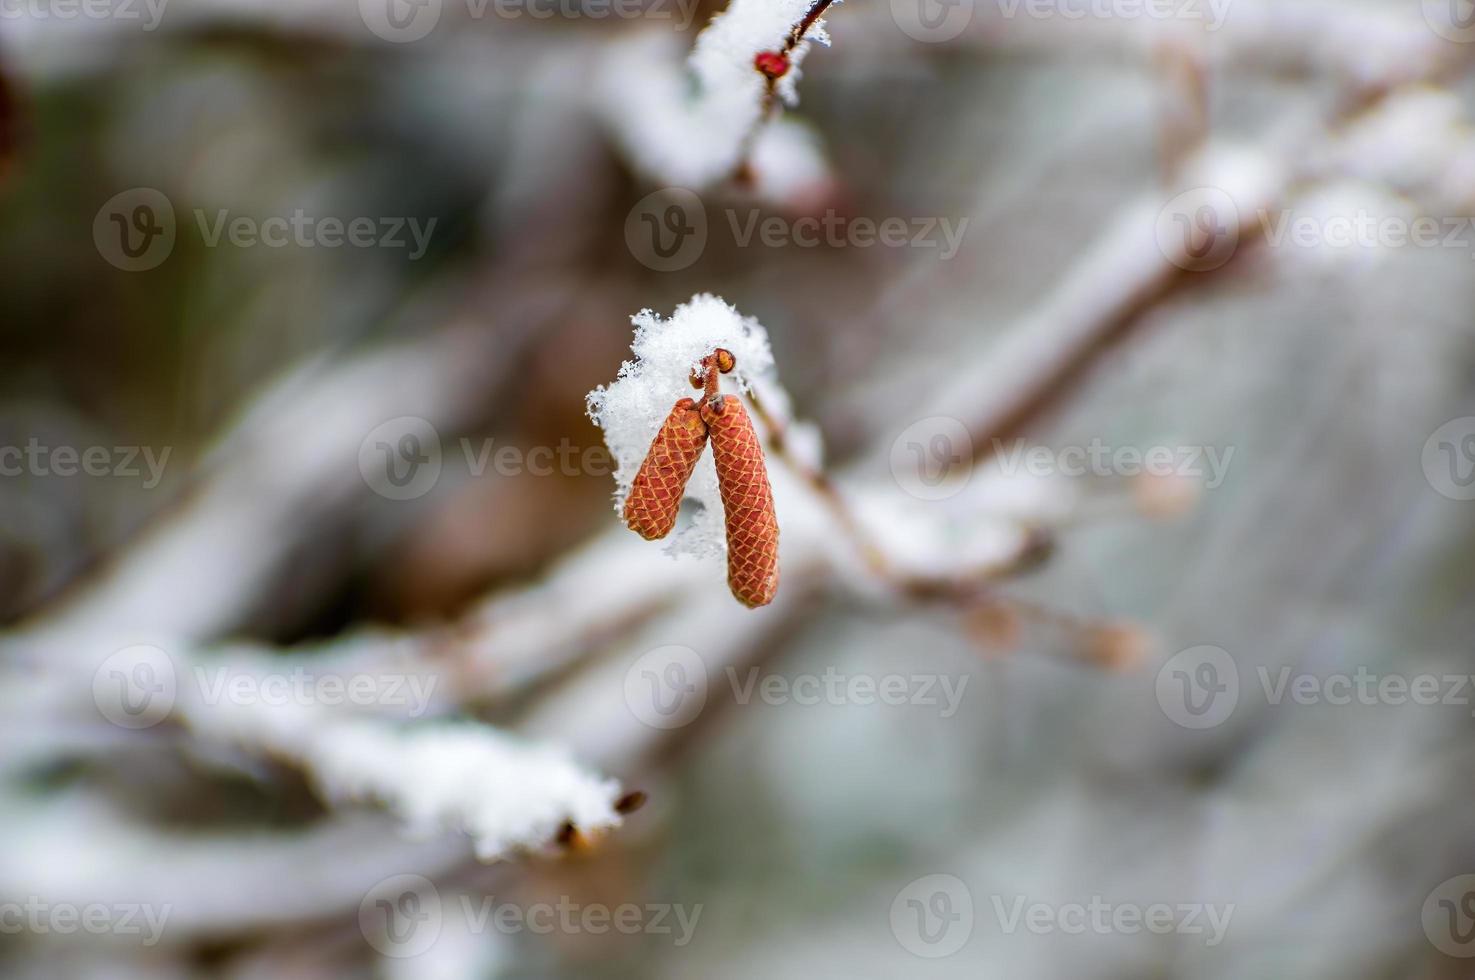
[(1117, 646), (993, 625), (573, 840), (774, 64), (1165, 496), (630, 802)]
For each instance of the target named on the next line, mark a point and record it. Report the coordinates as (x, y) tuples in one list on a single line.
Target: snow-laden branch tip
[(695, 125), (505, 793)]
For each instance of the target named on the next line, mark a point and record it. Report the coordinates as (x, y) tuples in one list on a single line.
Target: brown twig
[(779, 67), (816, 11)]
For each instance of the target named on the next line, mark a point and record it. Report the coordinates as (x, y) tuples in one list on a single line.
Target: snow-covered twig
[(747, 59), (505, 794)]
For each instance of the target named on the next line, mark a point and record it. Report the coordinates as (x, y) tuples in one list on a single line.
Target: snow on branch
[(701, 123), (506, 794)]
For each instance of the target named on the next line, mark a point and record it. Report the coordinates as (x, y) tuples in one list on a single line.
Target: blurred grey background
[(1337, 543)]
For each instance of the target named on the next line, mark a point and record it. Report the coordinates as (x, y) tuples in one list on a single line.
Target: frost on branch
[(631, 409), (506, 794), (723, 60), (690, 125)]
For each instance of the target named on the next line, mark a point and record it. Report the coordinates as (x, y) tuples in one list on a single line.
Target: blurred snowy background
[(1146, 490)]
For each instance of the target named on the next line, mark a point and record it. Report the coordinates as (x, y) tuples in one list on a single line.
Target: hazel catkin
[(655, 494), (747, 499)]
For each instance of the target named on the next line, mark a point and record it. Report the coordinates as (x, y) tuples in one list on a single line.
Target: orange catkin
[(655, 496), (752, 526)]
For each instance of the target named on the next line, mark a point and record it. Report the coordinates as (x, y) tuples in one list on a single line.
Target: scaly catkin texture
[(742, 478), (655, 496)]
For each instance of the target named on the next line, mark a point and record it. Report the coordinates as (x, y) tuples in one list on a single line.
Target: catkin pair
[(742, 479)]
